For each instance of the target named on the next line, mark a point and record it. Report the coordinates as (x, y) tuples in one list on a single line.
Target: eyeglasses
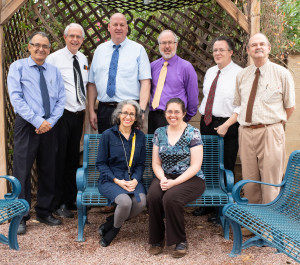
[(72, 36), (131, 114), (165, 43), (262, 44), (176, 112), (38, 46), (219, 50)]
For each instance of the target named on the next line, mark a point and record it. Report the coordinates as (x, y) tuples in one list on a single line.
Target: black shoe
[(49, 220), (22, 227), (72, 206), (104, 228), (63, 211), (109, 236), (203, 211)]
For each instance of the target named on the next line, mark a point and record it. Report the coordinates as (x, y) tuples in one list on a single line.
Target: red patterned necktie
[(252, 97), (210, 101)]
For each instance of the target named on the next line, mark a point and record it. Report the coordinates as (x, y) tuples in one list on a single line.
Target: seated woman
[(121, 162), (176, 161)]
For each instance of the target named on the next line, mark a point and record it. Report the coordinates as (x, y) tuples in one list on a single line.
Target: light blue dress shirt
[(133, 65), (23, 83)]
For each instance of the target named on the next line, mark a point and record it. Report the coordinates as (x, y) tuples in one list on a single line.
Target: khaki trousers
[(262, 153)]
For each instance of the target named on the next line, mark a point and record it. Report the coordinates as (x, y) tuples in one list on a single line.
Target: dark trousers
[(170, 204), (29, 146), (156, 119), (69, 131), (104, 116), (231, 140)]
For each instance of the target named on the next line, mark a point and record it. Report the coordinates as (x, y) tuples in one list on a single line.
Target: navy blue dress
[(111, 162)]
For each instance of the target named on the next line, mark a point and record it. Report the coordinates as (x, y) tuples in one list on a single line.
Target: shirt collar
[(123, 43), (226, 68), (33, 63), (170, 61), (68, 54), (263, 68), (115, 128)]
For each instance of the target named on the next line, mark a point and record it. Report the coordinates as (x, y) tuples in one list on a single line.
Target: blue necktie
[(44, 92), (111, 83)]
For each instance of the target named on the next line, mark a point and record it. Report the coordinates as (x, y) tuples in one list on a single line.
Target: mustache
[(259, 50)]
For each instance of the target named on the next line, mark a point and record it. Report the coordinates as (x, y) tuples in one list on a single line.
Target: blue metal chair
[(276, 224), (12, 208)]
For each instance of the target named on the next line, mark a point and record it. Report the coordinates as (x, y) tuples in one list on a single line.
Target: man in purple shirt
[(181, 81)]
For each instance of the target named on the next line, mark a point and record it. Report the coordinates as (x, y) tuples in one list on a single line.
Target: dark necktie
[(252, 97), (44, 92), (80, 94), (210, 101), (111, 83)]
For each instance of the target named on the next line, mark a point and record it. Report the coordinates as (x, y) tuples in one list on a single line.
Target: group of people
[(248, 107)]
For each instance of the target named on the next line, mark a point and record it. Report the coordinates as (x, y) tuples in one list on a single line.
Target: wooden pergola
[(250, 23)]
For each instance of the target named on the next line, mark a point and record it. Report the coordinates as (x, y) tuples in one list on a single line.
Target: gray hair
[(43, 34), (167, 30), (73, 25), (115, 117)]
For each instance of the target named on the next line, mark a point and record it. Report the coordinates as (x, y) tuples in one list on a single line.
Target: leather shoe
[(72, 206), (49, 220), (63, 211), (180, 250), (22, 228), (157, 248)]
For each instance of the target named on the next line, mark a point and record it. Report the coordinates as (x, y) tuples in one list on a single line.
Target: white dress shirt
[(63, 60), (224, 95)]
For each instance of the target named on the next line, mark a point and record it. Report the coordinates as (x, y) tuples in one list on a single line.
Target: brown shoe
[(157, 248), (180, 250)]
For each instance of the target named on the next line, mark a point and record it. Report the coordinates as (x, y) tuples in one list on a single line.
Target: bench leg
[(12, 233), (237, 239), (257, 242), (224, 223), (3, 239)]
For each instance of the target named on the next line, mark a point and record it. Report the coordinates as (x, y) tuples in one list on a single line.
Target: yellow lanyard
[(132, 150)]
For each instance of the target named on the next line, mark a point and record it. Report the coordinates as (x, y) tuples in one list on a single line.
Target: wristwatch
[(143, 111)]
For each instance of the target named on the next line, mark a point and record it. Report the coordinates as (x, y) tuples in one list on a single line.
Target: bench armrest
[(229, 180), (81, 178), (16, 187), (236, 191)]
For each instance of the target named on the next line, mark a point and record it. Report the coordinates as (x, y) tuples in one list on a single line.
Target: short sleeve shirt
[(176, 158)]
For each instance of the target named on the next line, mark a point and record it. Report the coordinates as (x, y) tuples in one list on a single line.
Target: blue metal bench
[(276, 224), (216, 193), (12, 208)]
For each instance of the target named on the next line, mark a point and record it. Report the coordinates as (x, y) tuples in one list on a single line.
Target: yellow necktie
[(160, 85)]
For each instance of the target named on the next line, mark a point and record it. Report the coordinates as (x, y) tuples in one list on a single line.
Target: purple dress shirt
[(181, 82)]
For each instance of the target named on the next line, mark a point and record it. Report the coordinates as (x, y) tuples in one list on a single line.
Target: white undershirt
[(223, 101)]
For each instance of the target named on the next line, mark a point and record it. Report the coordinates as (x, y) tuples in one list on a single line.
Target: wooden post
[(3, 155), (255, 17)]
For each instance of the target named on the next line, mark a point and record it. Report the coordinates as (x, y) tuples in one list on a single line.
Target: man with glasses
[(265, 92), (73, 66), (120, 71), (37, 93), (172, 77), (218, 114)]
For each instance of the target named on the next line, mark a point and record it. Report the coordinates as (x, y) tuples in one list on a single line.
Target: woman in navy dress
[(176, 161), (121, 162)]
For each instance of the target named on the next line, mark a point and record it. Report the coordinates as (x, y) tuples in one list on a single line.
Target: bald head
[(118, 28), (260, 36)]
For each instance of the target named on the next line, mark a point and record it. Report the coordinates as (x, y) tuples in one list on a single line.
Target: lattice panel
[(196, 23)]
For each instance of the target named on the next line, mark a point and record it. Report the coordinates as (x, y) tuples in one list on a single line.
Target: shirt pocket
[(272, 95), (52, 86)]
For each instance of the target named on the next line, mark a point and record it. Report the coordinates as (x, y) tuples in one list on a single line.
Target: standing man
[(218, 115), (37, 93), (73, 66), (172, 77), (120, 70), (265, 93)]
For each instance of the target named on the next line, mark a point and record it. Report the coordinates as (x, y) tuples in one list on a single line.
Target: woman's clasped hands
[(126, 185), (166, 184)]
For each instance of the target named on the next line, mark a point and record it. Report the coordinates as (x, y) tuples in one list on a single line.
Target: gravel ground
[(57, 245)]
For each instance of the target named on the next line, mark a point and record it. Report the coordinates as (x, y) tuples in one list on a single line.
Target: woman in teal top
[(176, 161)]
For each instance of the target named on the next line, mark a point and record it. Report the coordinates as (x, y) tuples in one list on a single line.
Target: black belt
[(109, 104), (77, 113), (214, 118)]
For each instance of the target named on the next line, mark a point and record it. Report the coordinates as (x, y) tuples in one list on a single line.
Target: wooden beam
[(255, 17), (3, 156), (235, 13), (9, 8)]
